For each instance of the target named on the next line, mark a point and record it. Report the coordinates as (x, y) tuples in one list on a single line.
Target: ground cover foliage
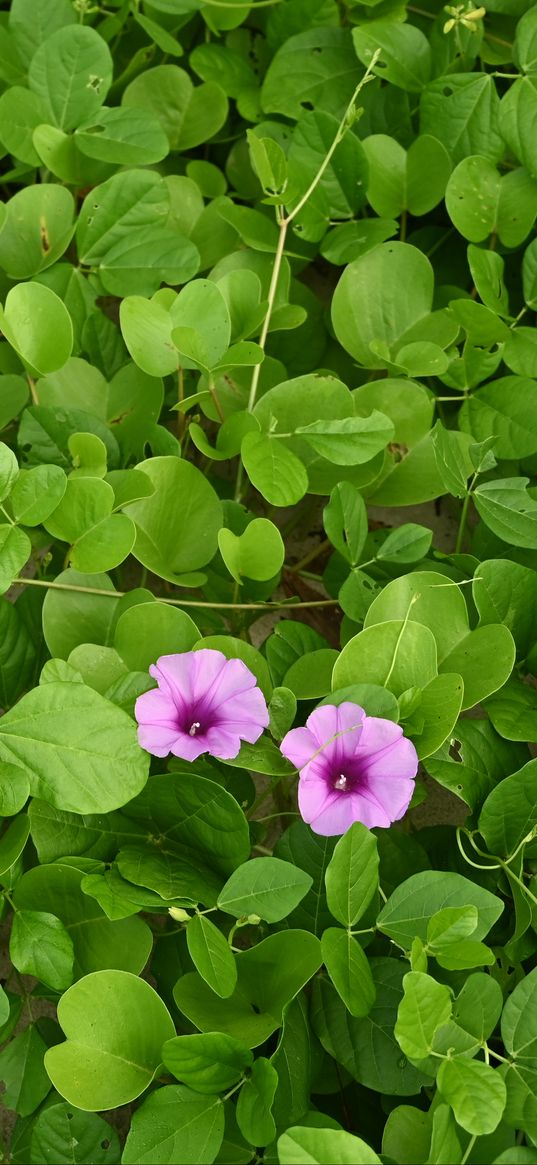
[(264, 266)]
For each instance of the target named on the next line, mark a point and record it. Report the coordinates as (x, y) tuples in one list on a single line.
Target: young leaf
[(212, 956)]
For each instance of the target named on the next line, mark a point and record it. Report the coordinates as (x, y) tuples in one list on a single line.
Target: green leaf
[(258, 553), (273, 469), (475, 1092), (311, 676), (149, 630), (14, 789), (14, 396), (57, 1126), (36, 494), (22, 1071), (71, 617), (398, 654), (177, 527), (40, 945), (407, 543), (175, 1125), (98, 942), (193, 817), (115, 1025), (503, 410), (462, 111), (351, 441), (425, 1007), (188, 115), (147, 331), (269, 976), (478, 1005), (349, 970), (508, 510), (15, 550), (367, 1047), (513, 710), (268, 887), (407, 1133), (292, 1061), (38, 326), (352, 875), (312, 853), (519, 1031), (13, 841), (345, 521), (517, 111), (282, 711), (505, 592), (80, 752), (399, 180), (321, 1146), (268, 161), (449, 925), (484, 657), (21, 112), (481, 203), (129, 137), (207, 1063), (71, 73), (254, 1116), (37, 229), (509, 813), (358, 306), (316, 67), (405, 57), (417, 899), (212, 956), (452, 460)]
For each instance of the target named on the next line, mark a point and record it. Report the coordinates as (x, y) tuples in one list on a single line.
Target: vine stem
[(284, 221), (274, 606), (464, 517), (469, 1148)]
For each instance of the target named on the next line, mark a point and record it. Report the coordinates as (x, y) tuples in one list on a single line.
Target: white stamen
[(194, 728), (341, 782)]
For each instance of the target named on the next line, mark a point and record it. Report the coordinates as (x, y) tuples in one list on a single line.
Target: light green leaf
[(254, 1116), (258, 553), (268, 887), (71, 73), (208, 1063), (273, 469), (38, 326), (475, 1092), (115, 1026), (80, 751), (40, 945), (349, 970), (352, 875), (175, 1124), (321, 1146), (425, 1007), (212, 956)]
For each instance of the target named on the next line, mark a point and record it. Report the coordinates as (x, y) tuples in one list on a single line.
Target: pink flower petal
[(155, 707), (298, 746), (157, 739), (189, 747), (314, 797)]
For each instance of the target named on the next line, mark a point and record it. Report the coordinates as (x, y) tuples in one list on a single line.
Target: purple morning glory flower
[(352, 767), (203, 703)]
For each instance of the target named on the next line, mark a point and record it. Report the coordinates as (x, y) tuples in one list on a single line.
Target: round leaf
[(38, 326), (115, 1026)]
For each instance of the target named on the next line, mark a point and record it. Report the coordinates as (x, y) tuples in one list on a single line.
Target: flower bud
[(178, 914)]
